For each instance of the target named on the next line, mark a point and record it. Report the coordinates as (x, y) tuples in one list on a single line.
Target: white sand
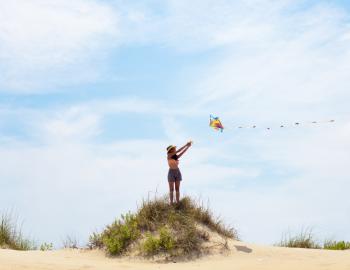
[(242, 256)]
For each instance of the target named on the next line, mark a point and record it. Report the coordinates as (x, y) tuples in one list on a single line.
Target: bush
[(117, 237), (166, 240), (11, 236), (153, 245), (334, 245)]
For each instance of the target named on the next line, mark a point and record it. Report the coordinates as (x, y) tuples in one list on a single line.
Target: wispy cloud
[(46, 44)]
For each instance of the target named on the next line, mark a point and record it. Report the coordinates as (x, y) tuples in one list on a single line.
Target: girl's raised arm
[(183, 149), (180, 149)]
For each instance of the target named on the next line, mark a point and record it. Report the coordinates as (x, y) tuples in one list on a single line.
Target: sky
[(92, 92)]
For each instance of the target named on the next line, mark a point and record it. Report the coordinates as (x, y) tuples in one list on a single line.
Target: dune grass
[(158, 227), (307, 239), (304, 239), (11, 236), (70, 242), (336, 245), (46, 246)]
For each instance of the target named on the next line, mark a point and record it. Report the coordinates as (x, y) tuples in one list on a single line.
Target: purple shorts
[(174, 175)]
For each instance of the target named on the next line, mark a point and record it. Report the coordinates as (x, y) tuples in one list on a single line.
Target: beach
[(240, 256)]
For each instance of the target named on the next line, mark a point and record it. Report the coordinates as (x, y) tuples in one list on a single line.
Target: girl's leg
[(171, 191), (177, 188)]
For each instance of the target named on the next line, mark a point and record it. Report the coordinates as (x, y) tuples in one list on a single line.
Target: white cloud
[(173, 129), (41, 41), (71, 124), (305, 68)]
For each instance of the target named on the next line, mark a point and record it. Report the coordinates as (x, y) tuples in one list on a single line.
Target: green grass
[(305, 239), (336, 245), (118, 236), (163, 243), (11, 236), (46, 246), (160, 228)]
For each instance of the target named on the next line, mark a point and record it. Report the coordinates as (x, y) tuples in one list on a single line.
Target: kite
[(216, 123)]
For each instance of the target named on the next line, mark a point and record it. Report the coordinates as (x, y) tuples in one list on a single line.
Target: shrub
[(117, 237), (334, 245), (166, 240), (153, 245)]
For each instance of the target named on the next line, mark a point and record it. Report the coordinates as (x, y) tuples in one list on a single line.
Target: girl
[(174, 175)]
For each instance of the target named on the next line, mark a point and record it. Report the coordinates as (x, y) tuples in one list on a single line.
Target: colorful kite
[(216, 123)]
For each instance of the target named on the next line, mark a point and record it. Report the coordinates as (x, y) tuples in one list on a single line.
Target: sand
[(241, 256)]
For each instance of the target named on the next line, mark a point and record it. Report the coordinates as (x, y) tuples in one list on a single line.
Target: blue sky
[(92, 92)]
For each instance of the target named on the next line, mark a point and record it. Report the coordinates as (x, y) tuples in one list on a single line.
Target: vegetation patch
[(153, 245), (11, 236), (158, 228), (118, 236), (336, 245), (70, 242), (46, 246), (305, 239)]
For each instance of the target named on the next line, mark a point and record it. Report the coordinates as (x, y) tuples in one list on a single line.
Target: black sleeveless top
[(175, 157)]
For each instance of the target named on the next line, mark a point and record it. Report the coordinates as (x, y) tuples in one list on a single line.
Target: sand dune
[(241, 256)]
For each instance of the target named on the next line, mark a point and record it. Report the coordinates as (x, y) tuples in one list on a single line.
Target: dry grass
[(11, 234), (160, 228), (305, 239), (70, 242)]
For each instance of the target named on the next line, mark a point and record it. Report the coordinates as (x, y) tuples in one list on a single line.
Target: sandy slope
[(242, 256)]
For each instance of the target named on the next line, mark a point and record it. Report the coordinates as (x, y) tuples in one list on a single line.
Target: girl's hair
[(169, 148)]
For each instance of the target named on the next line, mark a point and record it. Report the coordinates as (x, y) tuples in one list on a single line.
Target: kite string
[(284, 125)]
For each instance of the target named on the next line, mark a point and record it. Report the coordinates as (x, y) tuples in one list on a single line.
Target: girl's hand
[(189, 143)]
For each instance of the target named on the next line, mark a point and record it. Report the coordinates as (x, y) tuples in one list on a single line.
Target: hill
[(158, 229)]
